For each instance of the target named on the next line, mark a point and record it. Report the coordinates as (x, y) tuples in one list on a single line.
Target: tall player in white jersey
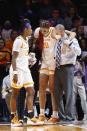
[(20, 75), (47, 39)]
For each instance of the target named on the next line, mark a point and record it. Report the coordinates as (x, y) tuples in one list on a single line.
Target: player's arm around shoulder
[(70, 34)]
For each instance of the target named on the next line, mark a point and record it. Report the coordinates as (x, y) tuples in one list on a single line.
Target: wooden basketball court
[(67, 127)]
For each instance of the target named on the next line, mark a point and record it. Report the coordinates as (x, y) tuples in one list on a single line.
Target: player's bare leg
[(54, 117), (13, 106), (30, 98), (42, 92), (42, 98)]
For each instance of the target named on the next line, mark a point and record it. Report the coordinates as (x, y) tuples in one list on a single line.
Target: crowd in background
[(65, 12)]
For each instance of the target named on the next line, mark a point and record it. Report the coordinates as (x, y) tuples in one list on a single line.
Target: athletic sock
[(42, 111), (55, 114)]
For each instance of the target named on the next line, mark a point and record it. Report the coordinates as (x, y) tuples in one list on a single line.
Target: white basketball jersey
[(21, 46), (49, 47)]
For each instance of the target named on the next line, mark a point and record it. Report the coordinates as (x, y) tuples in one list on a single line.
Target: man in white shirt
[(65, 60)]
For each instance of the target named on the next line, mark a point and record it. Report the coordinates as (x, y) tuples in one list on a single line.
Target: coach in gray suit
[(66, 53)]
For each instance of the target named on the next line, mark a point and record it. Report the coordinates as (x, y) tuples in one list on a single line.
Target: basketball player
[(20, 75), (47, 40)]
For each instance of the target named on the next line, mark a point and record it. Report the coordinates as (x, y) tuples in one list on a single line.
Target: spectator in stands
[(29, 10), (6, 95), (81, 31), (5, 56), (6, 31), (83, 45), (56, 17), (45, 9), (9, 42), (79, 88), (72, 12), (79, 27), (64, 6)]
